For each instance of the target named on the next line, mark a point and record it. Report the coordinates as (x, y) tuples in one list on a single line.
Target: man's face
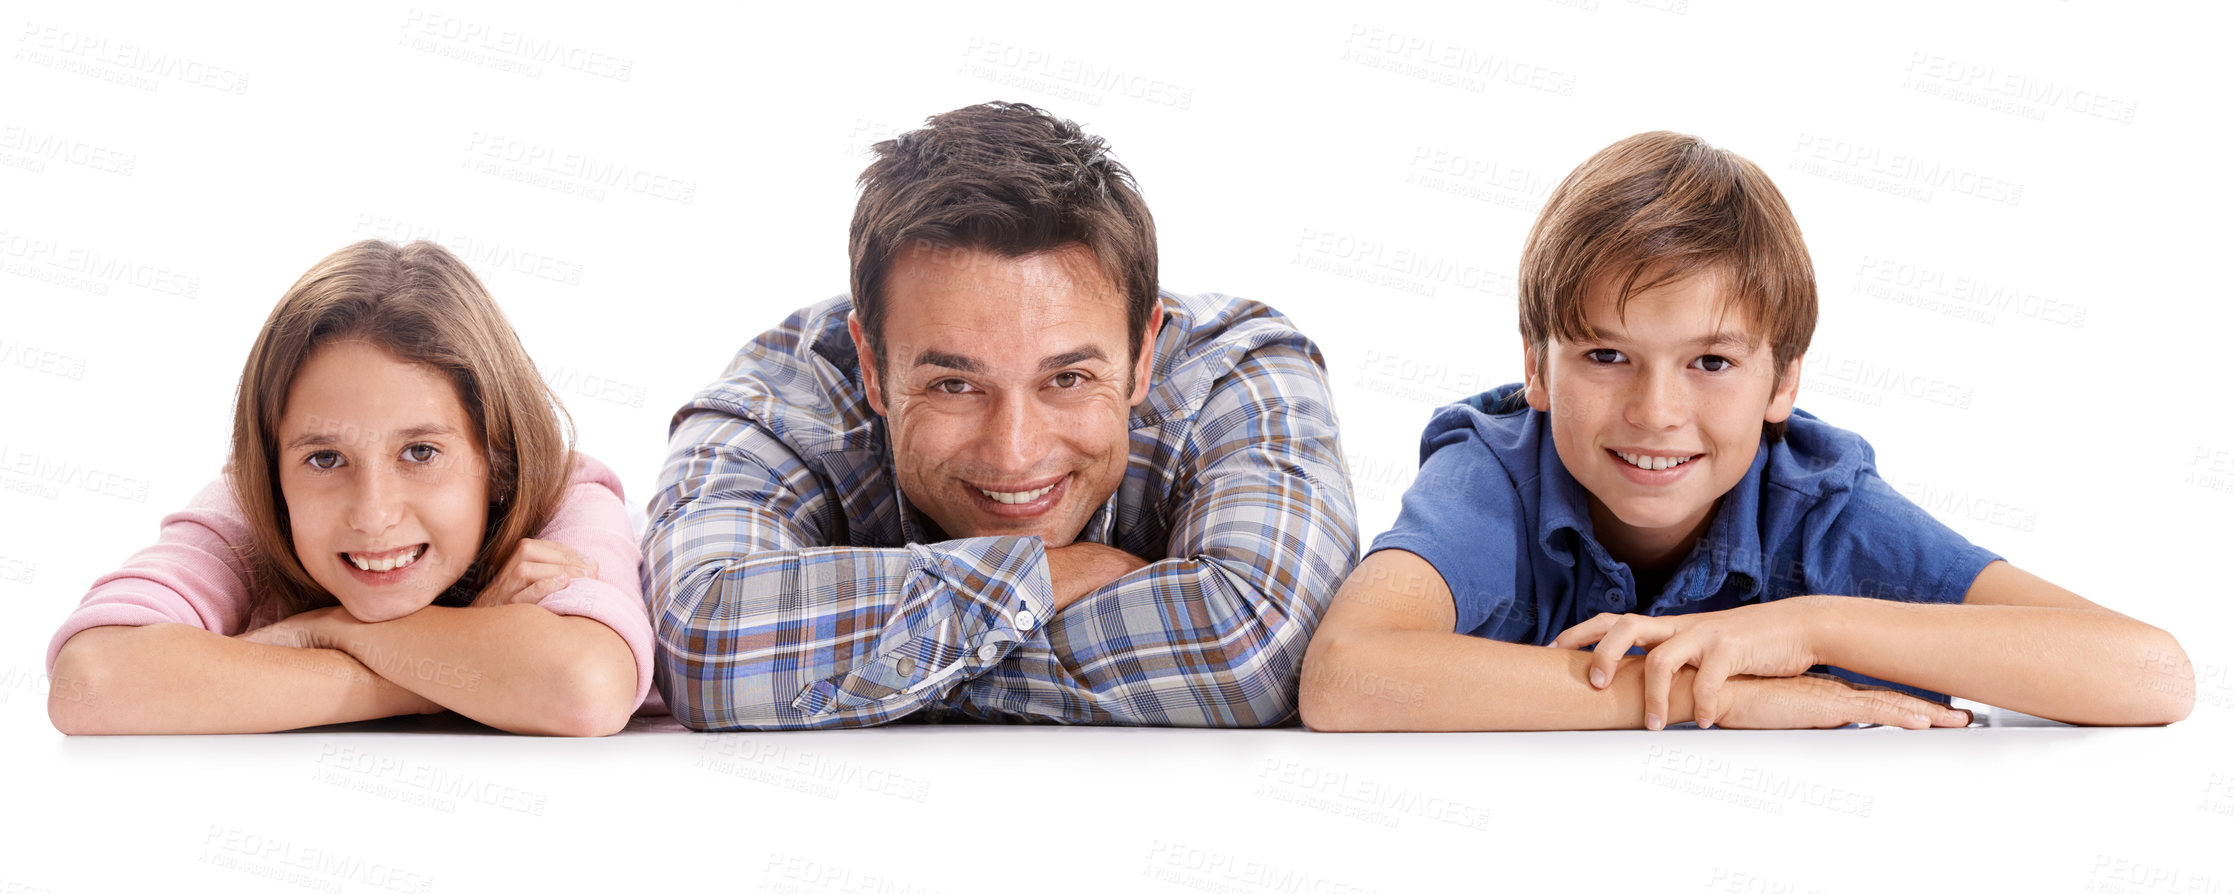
[(1006, 386), (1661, 414)]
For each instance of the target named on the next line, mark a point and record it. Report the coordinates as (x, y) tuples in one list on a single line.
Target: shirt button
[(1025, 620), (905, 665), (988, 652), (1613, 595)]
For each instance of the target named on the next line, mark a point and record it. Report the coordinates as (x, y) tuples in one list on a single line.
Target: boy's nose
[(1657, 402)]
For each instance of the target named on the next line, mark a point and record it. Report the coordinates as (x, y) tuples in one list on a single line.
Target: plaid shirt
[(789, 587)]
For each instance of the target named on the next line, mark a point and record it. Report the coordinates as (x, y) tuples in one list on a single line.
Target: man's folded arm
[(762, 622), (1261, 532)]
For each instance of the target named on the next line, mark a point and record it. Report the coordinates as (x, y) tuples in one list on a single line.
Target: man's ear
[(868, 361), (1787, 392), (1146, 364), (1539, 393)]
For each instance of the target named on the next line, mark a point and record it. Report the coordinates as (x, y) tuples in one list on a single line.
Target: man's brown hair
[(422, 305), (1665, 205), (1005, 178)]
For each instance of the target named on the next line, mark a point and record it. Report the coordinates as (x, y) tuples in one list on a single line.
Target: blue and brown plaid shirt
[(790, 588)]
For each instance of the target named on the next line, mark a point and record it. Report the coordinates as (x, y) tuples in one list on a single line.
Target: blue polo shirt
[(1497, 514)]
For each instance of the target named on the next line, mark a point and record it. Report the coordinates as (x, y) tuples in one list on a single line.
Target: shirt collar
[(1730, 549)]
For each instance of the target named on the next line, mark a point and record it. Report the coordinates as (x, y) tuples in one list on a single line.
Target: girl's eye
[(1069, 379), (324, 460), (1604, 355), (420, 453), (1712, 363)]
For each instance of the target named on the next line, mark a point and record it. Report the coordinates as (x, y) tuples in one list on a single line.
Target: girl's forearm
[(176, 679)]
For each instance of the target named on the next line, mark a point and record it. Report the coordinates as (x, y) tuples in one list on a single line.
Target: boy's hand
[(1771, 639), (538, 568), (1822, 702)]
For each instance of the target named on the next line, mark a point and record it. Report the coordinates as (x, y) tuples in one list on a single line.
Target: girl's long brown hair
[(422, 305)]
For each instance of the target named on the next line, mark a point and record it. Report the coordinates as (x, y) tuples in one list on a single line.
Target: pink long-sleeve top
[(194, 575)]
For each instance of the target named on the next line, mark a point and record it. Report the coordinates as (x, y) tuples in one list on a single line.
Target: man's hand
[(538, 568), (1822, 703), (319, 628), (1082, 568), (1772, 639)]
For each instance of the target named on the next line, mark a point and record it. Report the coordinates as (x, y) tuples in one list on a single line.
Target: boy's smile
[(1660, 414)]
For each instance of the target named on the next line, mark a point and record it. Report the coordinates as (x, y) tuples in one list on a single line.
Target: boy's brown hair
[(1668, 205), (421, 304)]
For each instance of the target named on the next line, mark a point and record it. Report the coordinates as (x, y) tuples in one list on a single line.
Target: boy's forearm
[(2068, 664), (1438, 681), (515, 667), (166, 679)]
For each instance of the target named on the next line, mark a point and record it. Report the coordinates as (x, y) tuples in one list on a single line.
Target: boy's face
[(1660, 414)]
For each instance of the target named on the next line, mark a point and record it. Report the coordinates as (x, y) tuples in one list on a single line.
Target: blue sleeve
[(1876, 543), (1463, 515)]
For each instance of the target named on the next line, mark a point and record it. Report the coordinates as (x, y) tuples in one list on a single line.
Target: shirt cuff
[(965, 605)]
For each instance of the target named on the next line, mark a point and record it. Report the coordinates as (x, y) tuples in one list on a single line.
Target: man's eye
[(1604, 355), (420, 453), (1712, 363), (950, 386), (324, 460), (1069, 379)]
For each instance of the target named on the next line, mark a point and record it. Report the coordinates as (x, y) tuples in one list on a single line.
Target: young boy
[(1651, 485)]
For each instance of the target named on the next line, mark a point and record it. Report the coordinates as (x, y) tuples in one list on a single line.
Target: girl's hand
[(319, 628), (538, 568), (1771, 639)]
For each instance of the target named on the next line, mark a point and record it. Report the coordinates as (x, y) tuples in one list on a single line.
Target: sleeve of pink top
[(192, 575), (593, 520)]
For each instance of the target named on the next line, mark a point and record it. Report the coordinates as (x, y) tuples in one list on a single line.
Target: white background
[(2016, 211)]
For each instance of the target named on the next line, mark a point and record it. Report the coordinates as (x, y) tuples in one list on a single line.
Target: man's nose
[(1016, 436)]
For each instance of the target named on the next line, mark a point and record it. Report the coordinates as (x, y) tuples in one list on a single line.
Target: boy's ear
[(868, 360), (1787, 391), (1539, 394)]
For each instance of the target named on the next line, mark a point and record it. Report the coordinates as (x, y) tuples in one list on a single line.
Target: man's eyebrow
[(950, 361), (326, 437), (1071, 356)]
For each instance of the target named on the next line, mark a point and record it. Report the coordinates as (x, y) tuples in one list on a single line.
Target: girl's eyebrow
[(327, 437)]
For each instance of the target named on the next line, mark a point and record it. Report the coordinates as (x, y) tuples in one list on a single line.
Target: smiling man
[(1007, 477)]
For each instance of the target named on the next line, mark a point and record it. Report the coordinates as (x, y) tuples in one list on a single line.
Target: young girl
[(403, 528)]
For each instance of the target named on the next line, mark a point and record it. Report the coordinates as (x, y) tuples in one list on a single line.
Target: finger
[(556, 553), (1630, 630), (1706, 688), (1659, 676), (1952, 718), (1896, 709), (537, 591), (1585, 633)]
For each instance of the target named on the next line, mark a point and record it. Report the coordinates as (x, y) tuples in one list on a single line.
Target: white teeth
[(387, 564), (1654, 463), (1024, 496)]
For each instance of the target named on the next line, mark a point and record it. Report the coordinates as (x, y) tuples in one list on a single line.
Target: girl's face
[(384, 479)]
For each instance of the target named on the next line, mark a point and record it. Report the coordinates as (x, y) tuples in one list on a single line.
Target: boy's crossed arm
[(1385, 658), (2016, 641)]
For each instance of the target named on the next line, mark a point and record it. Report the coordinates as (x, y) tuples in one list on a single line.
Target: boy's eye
[(1712, 363), (1604, 355), (324, 460), (420, 453)]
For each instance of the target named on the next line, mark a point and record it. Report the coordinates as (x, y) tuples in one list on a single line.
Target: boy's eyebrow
[(1723, 338)]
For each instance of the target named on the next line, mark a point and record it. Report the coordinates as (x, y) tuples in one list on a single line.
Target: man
[(1007, 478)]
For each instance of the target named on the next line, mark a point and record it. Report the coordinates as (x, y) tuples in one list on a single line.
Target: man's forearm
[(2073, 665), (175, 679)]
